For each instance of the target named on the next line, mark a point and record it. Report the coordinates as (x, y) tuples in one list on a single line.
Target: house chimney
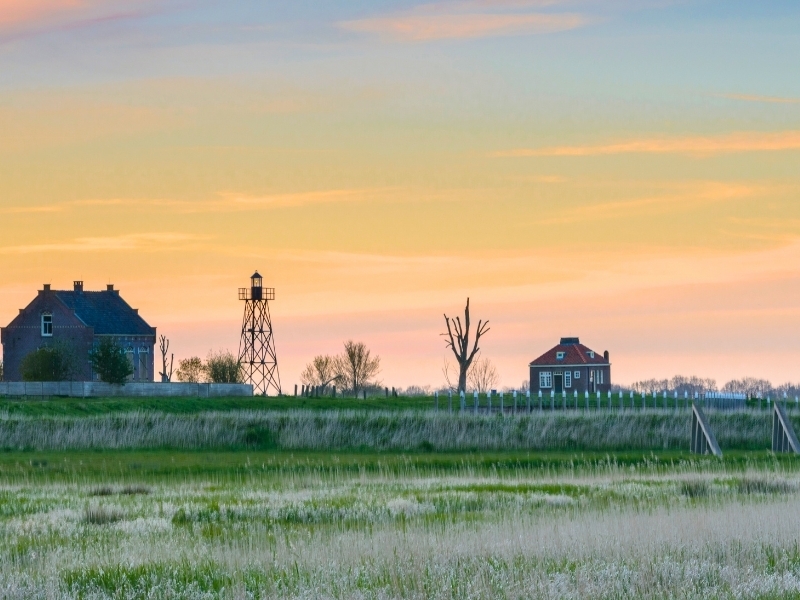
[(110, 287), (136, 310), (46, 287), (77, 286), (605, 355)]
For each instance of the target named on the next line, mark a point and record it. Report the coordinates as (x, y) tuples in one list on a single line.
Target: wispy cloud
[(754, 98), (24, 17), (690, 196), (134, 241), (466, 20), (691, 145)]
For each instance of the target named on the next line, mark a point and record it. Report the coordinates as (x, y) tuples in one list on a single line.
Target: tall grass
[(374, 430)]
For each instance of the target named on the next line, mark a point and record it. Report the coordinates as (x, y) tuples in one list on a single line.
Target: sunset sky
[(623, 171)]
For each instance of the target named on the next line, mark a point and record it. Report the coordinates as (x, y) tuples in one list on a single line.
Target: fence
[(523, 402), (96, 389)]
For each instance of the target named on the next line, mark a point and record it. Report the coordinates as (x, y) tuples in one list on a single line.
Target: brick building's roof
[(575, 353), (106, 311)]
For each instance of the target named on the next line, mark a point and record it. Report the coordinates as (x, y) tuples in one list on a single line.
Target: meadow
[(387, 504)]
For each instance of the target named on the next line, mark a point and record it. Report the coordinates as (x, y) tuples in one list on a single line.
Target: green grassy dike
[(124, 466), (88, 407)]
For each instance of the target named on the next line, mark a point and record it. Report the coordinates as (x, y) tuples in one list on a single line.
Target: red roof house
[(570, 367)]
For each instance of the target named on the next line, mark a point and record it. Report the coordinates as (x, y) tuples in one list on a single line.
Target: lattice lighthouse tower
[(257, 346)]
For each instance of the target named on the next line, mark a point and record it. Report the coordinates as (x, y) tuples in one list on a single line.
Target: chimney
[(110, 287), (46, 287), (136, 310), (605, 355), (77, 286)]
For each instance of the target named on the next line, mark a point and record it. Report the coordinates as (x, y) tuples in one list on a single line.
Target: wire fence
[(518, 402)]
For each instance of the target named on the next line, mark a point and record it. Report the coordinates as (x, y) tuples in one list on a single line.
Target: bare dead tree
[(457, 339), (482, 375), (166, 374), (321, 371), (356, 366)]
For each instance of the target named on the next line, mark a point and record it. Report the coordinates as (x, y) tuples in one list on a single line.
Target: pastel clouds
[(691, 145), (13, 12), (464, 20), (756, 98), (134, 241)]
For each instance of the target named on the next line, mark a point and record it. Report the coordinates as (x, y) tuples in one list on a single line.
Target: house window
[(129, 356), (591, 354), (143, 353), (545, 379), (599, 376), (559, 356), (47, 325), (567, 379), (577, 375)]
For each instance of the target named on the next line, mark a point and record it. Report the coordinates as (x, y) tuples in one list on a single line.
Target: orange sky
[(574, 170)]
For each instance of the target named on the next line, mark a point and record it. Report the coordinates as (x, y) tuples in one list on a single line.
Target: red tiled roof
[(574, 354)]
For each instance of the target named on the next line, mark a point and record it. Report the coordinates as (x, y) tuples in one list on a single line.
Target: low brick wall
[(88, 389)]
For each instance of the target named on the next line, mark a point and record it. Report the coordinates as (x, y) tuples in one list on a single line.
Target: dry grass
[(471, 534), (375, 430)]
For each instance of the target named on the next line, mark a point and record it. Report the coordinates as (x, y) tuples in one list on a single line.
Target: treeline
[(750, 386)]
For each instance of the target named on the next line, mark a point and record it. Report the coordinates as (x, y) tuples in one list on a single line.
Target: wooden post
[(515, 401)]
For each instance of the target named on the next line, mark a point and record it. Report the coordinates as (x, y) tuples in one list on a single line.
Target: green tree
[(223, 367), (109, 362), (191, 370), (56, 362)]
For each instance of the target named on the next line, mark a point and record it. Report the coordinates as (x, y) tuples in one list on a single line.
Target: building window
[(599, 376), (47, 325), (567, 379), (545, 379), (143, 353), (559, 356), (577, 375), (591, 354)]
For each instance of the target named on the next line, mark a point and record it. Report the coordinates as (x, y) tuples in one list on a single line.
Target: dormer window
[(559, 355), (47, 325), (591, 354)]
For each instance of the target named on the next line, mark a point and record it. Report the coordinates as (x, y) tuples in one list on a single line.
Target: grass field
[(381, 504), (167, 524)]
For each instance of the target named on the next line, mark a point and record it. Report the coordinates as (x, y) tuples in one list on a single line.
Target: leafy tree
[(109, 362), (321, 371), (56, 362), (223, 367), (191, 370), (356, 366)]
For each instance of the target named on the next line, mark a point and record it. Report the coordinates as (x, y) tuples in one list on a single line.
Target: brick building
[(78, 319), (570, 367)]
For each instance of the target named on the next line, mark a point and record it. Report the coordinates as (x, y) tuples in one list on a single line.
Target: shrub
[(49, 363), (190, 370), (223, 367), (109, 362)]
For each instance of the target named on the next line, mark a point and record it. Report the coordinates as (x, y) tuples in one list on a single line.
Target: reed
[(384, 431)]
